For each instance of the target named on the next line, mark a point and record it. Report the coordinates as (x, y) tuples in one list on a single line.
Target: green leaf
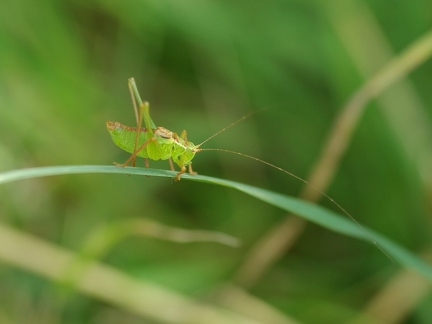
[(309, 211)]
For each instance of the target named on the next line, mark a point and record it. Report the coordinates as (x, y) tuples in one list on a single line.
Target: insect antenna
[(302, 180), (232, 124)]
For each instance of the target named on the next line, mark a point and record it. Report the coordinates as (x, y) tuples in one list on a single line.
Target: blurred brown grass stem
[(278, 239), (397, 299), (110, 285)]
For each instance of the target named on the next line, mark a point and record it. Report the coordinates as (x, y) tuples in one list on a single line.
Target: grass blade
[(309, 211)]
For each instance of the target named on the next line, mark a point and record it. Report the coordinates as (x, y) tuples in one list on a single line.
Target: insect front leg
[(192, 172), (183, 135), (182, 170)]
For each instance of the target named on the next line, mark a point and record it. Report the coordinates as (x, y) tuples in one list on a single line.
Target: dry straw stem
[(404, 112), (401, 105), (276, 241), (102, 239), (240, 301), (110, 285), (396, 300)]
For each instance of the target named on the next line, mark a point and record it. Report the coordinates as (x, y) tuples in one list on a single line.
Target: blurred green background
[(64, 67)]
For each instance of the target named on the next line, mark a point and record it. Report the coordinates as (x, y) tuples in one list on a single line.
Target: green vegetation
[(91, 245)]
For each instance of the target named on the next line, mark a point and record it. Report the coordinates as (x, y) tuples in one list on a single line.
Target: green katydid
[(151, 142), (159, 143)]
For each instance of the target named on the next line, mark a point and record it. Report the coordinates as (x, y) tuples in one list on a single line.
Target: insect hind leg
[(171, 164), (132, 158)]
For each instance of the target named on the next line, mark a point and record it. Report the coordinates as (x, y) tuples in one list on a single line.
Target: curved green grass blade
[(311, 212)]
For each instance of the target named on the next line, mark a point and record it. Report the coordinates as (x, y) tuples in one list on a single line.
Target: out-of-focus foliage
[(201, 65)]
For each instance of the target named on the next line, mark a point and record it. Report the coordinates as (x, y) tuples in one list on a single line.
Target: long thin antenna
[(232, 124), (307, 183)]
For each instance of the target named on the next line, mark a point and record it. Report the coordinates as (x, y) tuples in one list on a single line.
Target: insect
[(151, 142), (159, 143)]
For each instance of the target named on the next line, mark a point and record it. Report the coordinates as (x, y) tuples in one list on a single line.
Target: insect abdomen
[(124, 137)]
